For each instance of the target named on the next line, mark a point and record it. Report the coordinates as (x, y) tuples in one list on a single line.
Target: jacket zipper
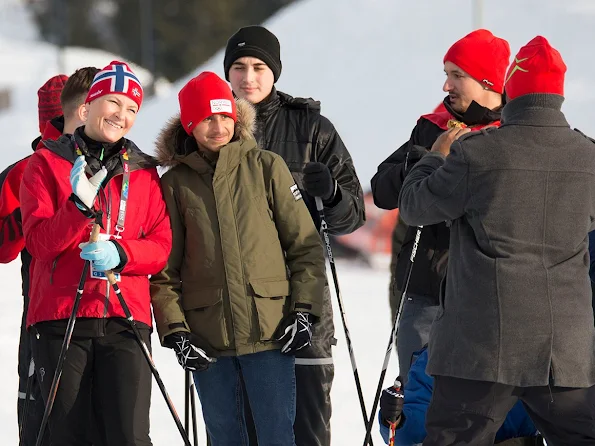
[(108, 225)]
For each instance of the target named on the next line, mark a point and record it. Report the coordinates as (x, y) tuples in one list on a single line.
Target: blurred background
[(375, 65)]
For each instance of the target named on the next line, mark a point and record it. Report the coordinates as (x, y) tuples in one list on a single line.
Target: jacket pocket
[(272, 304), (204, 313)]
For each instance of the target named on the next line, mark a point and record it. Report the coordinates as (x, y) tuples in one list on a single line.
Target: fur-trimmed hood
[(170, 144)]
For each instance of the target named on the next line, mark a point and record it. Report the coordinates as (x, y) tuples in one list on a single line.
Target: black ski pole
[(187, 400), (190, 408), (327, 241), (193, 409), (66, 343), (148, 357), (393, 334)]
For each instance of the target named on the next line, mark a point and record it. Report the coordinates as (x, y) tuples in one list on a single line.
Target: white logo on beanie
[(221, 106), (95, 94), (241, 43)]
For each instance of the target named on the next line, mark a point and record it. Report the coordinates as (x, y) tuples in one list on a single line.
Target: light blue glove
[(85, 188), (104, 255)]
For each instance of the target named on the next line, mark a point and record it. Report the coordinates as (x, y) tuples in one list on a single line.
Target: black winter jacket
[(295, 129), (432, 253)]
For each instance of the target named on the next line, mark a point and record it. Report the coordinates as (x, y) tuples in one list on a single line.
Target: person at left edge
[(105, 369)]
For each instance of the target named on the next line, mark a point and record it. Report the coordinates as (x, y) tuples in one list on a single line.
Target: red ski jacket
[(12, 241), (54, 227)]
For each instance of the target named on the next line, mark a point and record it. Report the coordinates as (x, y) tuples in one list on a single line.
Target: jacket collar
[(65, 148), (475, 114), (543, 110), (230, 157), (268, 106)]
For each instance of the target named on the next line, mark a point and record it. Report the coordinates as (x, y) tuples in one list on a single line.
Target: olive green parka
[(245, 251)]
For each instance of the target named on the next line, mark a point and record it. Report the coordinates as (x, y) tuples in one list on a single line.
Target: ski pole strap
[(124, 193), (393, 430)]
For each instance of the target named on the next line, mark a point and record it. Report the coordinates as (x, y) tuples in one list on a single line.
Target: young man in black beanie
[(322, 167)]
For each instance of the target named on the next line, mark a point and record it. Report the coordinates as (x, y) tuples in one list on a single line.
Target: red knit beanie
[(482, 56), (537, 68), (116, 78), (205, 95), (49, 106)]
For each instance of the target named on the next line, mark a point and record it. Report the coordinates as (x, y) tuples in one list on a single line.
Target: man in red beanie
[(58, 93), (515, 319), (475, 67)]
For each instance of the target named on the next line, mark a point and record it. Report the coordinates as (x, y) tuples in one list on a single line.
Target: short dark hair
[(76, 88)]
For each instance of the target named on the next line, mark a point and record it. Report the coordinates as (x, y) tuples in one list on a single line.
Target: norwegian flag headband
[(116, 78)]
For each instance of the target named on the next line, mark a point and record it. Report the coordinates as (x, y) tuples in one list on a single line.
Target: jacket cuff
[(123, 257), (335, 197), (309, 307), (340, 203), (172, 327), (82, 207)]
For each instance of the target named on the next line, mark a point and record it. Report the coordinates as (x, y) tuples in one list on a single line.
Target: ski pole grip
[(95, 233), (319, 205)]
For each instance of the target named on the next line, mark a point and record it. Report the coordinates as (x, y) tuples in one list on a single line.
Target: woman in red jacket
[(104, 374)]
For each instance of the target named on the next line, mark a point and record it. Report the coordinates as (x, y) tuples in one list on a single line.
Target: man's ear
[(82, 112)]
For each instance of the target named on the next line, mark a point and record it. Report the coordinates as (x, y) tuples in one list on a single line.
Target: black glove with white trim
[(295, 332), (190, 357), (392, 402)]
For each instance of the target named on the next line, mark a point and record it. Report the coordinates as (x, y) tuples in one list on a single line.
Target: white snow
[(376, 66)]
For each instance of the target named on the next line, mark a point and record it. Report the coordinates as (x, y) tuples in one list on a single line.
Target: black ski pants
[(30, 413), (105, 379), (466, 412)]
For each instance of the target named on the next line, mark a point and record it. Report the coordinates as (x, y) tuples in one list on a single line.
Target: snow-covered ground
[(375, 65)]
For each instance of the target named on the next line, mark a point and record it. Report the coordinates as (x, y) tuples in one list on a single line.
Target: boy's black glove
[(190, 357), (295, 332)]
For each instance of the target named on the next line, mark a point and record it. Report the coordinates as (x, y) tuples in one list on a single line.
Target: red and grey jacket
[(54, 227)]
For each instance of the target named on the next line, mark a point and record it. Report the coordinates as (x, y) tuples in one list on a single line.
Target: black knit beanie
[(253, 41)]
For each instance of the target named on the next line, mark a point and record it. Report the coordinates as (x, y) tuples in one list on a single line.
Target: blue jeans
[(269, 378), (414, 329)]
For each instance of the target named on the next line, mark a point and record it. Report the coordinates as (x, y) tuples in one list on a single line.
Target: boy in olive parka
[(246, 274)]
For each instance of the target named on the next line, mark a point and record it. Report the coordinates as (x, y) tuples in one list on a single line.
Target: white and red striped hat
[(116, 78)]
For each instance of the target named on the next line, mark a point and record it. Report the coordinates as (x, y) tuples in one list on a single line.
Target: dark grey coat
[(516, 302)]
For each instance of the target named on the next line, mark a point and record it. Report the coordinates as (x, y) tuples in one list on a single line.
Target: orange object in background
[(373, 241)]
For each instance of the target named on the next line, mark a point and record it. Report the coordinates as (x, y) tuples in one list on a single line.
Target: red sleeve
[(12, 241), (49, 227), (148, 255)]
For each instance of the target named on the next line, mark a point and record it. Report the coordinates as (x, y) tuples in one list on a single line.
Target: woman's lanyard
[(125, 187), (123, 194)]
